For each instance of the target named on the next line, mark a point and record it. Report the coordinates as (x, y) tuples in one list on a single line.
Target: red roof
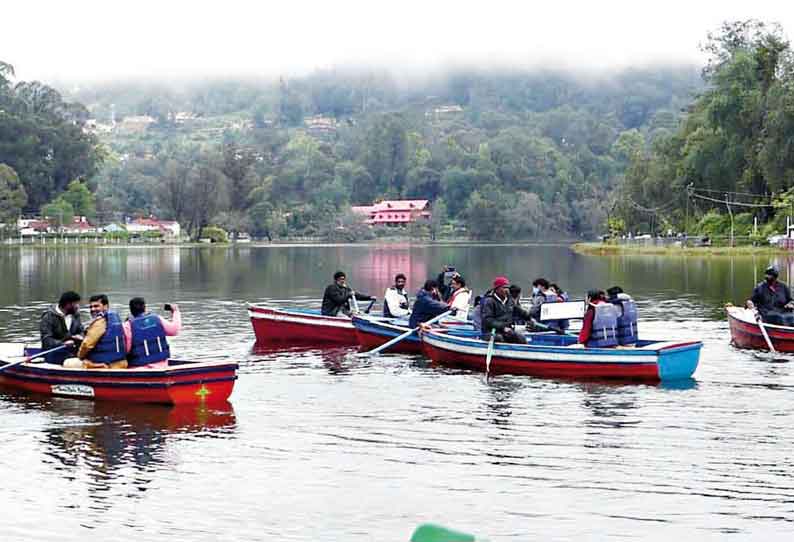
[(401, 205)]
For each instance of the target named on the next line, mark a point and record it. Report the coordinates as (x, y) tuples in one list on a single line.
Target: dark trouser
[(511, 336), (779, 318)]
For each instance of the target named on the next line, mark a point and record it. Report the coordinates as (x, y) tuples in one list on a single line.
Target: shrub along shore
[(607, 249)]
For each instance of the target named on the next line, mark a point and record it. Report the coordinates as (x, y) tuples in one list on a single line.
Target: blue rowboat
[(557, 356), (373, 331)]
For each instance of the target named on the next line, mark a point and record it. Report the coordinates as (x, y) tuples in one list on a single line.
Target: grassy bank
[(605, 249)]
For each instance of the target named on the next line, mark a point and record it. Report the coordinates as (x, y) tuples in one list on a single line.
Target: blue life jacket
[(627, 321), (110, 347), (605, 323), (386, 312), (149, 344)]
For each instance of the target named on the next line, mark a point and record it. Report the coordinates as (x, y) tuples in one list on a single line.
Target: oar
[(369, 307), (26, 359), (436, 533), (764, 333), (489, 354), (549, 328), (399, 338)]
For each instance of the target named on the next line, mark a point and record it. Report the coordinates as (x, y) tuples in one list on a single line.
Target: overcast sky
[(81, 39)]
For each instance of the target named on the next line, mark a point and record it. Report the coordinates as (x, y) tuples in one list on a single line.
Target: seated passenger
[(145, 335), (103, 346), (337, 296), (428, 304), (539, 288), (562, 296), (444, 281), (599, 328), (499, 312), (772, 299), (627, 318), (515, 293), (476, 312), (60, 325), (395, 301), (460, 297)]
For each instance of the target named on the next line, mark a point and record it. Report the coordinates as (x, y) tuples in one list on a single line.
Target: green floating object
[(435, 533)]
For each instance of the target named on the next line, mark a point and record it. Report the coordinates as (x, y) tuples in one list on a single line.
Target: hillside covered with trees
[(502, 155), (732, 159)]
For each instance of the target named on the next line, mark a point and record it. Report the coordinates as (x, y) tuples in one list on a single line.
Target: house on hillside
[(29, 227), (395, 212), (80, 225), (168, 228), (320, 126), (136, 124)]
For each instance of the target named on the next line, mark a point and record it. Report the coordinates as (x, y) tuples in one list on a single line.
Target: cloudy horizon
[(91, 40)]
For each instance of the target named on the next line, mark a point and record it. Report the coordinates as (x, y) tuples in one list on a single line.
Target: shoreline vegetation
[(285, 242), (607, 249)]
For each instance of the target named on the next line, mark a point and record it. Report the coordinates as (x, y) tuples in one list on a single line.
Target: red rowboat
[(182, 382), (300, 326), (746, 333)]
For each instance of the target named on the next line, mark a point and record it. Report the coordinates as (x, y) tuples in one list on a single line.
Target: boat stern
[(679, 361)]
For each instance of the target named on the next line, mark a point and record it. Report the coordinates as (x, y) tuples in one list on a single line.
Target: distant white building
[(168, 228)]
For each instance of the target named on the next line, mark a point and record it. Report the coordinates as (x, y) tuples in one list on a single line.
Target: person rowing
[(772, 299), (337, 296), (103, 346), (395, 300), (499, 312), (60, 326), (428, 304)]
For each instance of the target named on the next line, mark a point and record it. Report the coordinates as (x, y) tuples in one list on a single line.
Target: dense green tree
[(12, 195)]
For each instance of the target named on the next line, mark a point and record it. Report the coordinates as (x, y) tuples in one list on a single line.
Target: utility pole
[(730, 213)]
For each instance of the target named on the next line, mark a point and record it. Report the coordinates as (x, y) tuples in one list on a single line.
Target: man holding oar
[(499, 312), (772, 299), (337, 296), (60, 326)]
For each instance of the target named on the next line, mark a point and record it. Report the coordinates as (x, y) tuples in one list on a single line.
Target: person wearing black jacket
[(60, 325), (499, 312), (337, 296), (772, 299)]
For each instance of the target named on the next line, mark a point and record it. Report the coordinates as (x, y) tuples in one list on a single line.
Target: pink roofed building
[(395, 212)]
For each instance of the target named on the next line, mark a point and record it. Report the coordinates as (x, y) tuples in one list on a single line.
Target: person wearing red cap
[(499, 311)]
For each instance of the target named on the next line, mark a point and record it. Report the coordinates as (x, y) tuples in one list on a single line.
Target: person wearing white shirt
[(395, 301), (460, 297)]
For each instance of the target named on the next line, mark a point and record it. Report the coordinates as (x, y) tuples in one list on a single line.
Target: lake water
[(318, 446)]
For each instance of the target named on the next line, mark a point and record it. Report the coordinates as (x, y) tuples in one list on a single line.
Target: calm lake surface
[(316, 446)]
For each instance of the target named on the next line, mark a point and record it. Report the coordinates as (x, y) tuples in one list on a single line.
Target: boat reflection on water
[(111, 443), (336, 360)]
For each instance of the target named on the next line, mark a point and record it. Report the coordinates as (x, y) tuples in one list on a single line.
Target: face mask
[(535, 290)]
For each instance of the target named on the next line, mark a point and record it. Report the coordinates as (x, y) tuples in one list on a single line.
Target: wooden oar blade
[(435, 533)]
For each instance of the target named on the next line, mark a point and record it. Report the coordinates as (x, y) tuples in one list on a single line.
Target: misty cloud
[(108, 40)]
